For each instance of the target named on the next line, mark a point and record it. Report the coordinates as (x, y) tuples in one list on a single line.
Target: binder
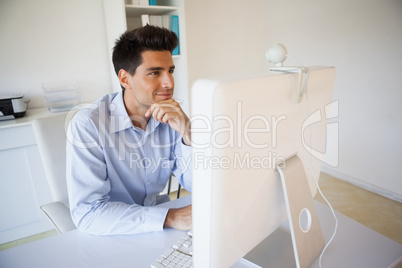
[(175, 29), (155, 20), (145, 19), (166, 22)]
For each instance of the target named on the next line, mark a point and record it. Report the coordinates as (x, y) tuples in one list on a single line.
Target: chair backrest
[(51, 140)]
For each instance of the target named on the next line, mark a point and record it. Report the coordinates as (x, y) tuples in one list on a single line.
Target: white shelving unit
[(135, 11), (121, 17)]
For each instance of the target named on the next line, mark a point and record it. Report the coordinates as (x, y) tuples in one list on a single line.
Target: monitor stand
[(307, 239)]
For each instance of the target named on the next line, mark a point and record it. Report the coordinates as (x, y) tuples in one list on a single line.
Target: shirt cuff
[(183, 143), (156, 218), (186, 149)]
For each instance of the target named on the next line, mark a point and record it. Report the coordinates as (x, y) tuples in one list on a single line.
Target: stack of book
[(141, 2), (157, 20)]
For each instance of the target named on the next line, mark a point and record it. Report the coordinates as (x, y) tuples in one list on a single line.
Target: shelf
[(134, 10)]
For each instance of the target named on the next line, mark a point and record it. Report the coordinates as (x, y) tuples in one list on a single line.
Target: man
[(123, 148)]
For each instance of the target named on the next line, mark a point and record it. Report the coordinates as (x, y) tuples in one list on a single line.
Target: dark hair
[(128, 48)]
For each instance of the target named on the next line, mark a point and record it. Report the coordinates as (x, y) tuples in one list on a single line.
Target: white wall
[(361, 38), (224, 38), (46, 40)]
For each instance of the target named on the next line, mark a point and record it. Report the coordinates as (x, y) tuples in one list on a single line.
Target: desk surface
[(77, 249), (354, 246), (30, 116)]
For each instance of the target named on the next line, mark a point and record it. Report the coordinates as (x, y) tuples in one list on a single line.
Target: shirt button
[(149, 183)]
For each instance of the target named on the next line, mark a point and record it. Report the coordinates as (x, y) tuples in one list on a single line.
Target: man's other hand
[(179, 218)]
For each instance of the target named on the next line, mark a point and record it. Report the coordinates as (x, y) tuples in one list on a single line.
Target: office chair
[(170, 185), (51, 140)]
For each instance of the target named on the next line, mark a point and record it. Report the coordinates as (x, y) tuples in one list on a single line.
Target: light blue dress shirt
[(115, 171)]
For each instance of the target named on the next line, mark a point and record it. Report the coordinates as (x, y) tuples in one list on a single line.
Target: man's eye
[(171, 71), (153, 73)]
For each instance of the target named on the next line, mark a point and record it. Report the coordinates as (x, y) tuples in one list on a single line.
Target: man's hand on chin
[(170, 112)]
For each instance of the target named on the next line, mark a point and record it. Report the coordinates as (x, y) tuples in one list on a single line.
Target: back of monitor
[(240, 130)]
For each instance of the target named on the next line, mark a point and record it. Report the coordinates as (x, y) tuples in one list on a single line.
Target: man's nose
[(168, 81)]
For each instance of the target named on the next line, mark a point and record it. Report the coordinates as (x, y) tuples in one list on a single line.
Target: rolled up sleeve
[(183, 168)]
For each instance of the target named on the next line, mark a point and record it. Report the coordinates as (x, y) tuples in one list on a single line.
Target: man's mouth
[(165, 95)]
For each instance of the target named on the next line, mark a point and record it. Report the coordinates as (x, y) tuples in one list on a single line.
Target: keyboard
[(180, 255)]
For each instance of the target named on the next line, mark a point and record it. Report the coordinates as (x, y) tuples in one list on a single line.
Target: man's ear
[(124, 78)]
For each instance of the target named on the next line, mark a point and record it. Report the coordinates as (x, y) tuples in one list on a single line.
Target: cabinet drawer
[(15, 137)]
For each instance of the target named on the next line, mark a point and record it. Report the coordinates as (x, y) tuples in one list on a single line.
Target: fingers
[(164, 111), (170, 112)]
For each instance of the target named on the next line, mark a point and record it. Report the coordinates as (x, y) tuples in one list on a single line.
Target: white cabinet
[(23, 185), (121, 17)]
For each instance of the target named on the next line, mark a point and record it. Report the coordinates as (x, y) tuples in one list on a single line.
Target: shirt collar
[(120, 120), (152, 125)]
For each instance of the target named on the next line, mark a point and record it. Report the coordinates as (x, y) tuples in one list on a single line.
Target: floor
[(377, 212)]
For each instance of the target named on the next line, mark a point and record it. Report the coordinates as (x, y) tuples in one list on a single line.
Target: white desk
[(354, 246), (77, 249)]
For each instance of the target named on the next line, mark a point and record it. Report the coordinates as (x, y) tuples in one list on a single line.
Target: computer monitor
[(241, 129)]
